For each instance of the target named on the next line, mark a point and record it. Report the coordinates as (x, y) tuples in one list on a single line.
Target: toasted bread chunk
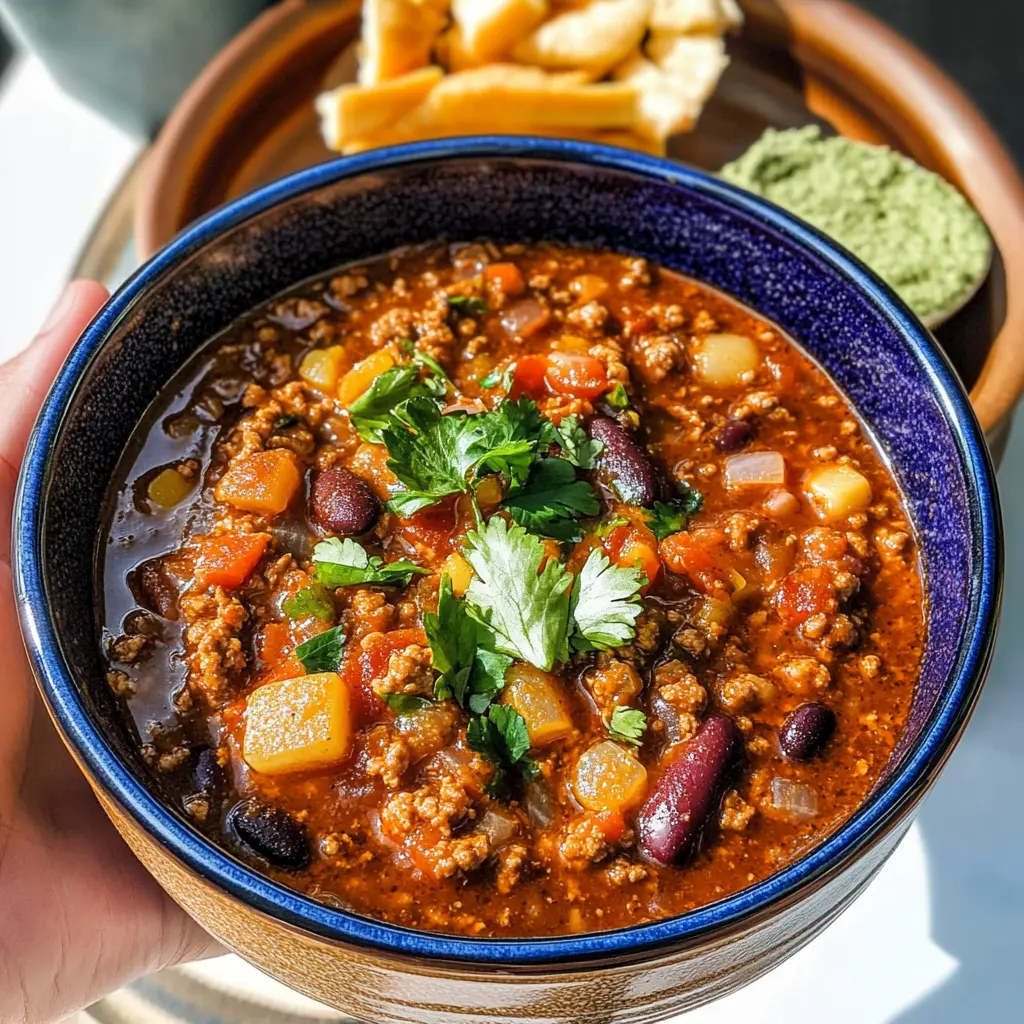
[(398, 36), (695, 16), (490, 28)]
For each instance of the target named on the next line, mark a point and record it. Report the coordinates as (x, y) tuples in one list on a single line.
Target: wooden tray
[(249, 118)]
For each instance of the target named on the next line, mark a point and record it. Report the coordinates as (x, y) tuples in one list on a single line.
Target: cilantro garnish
[(577, 448), (628, 725), (510, 437), (551, 501), (470, 669), (405, 703), (604, 604), (322, 653), (467, 305), (370, 412), (606, 526), (617, 397), (289, 419), (311, 600), (526, 607), (501, 736), (343, 563), (429, 453), (491, 380), (666, 518)]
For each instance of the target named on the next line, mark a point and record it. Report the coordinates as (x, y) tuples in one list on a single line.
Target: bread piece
[(397, 37), (490, 28), (695, 16)]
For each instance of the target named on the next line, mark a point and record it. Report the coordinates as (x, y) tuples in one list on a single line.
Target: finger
[(25, 380)]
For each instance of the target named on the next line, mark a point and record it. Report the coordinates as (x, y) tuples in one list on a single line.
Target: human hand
[(79, 915)]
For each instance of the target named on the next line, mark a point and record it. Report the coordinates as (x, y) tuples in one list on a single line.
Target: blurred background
[(936, 938)]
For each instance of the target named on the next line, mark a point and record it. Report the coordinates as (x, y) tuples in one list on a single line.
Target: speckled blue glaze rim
[(885, 807)]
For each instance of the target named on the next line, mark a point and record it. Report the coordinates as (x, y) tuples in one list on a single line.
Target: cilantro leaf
[(628, 725), (670, 517), (467, 305), (344, 563), (311, 600), (551, 501), (576, 447), (501, 736), (606, 526), (322, 653), (491, 380), (527, 608), (471, 671), (370, 412), (405, 703), (617, 397), (429, 453), (510, 437), (604, 604)]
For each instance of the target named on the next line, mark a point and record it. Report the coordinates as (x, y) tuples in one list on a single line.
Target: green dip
[(912, 228)]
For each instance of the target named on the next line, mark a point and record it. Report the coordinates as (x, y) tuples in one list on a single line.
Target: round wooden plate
[(249, 118)]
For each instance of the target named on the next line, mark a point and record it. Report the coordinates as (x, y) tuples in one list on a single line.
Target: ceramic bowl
[(506, 189)]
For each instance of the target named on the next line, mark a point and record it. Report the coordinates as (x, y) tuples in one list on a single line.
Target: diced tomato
[(434, 527), (506, 277), (635, 323), (363, 664), (576, 374), (232, 713), (784, 373), (418, 845), (228, 560), (529, 378), (804, 593), (635, 545), (683, 555), (612, 824), (275, 646)]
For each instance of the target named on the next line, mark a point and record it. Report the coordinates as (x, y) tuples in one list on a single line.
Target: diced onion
[(497, 828), (537, 801), (794, 800), (522, 318), (755, 469)]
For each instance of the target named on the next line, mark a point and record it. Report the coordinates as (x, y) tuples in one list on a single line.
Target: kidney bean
[(270, 832), (342, 503), (623, 464), (806, 730), (732, 435), (208, 772), (672, 820)]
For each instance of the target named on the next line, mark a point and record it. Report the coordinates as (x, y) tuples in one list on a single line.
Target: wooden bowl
[(249, 118)]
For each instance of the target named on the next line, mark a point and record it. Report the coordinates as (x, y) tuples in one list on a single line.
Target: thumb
[(25, 380)]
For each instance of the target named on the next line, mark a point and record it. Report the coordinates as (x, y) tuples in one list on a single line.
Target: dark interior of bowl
[(690, 229)]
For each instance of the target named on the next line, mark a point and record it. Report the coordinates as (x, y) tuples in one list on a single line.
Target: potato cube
[(362, 375), (726, 360), (609, 778), (298, 724), (537, 696), (837, 491), (169, 488), (321, 367), (264, 483), (490, 28)]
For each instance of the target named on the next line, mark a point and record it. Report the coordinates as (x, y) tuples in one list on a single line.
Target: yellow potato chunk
[(362, 375), (168, 488), (490, 28), (608, 778), (264, 483), (397, 37), (351, 111), (837, 491), (459, 571), (726, 360), (322, 366), (298, 724), (594, 38), (537, 696)]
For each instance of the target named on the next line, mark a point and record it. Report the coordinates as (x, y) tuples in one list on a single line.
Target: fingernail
[(60, 310)]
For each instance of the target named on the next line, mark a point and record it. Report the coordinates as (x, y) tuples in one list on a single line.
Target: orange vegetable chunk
[(228, 560), (264, 483), (507, 277), (608, 778), (298, 724), (537, 696)]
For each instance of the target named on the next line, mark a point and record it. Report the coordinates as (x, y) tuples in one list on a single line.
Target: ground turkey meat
[(745, 692), (684, 695), (656, 356), (804, 676), (511, 861), (214, 622), (621, 871), (584, 841), (409, 671), (368, 612), (736, 812), (613, 684)]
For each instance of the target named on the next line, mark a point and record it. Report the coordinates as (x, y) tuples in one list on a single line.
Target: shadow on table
[(973, 823)]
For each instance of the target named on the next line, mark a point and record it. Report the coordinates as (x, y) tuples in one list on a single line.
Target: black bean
[(270, 832), (806, 730), (672, 821), (623, 464), (732, 435), (208, 772), (342, 503)]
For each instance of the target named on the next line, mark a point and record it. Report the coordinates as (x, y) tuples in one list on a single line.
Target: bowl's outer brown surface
[(249, 118)]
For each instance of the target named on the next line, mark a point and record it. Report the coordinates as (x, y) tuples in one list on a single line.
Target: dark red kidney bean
[(623, 464), (806, 730), (732, 435), (342, 503), (271, 833), (672, 820), (208, 772)]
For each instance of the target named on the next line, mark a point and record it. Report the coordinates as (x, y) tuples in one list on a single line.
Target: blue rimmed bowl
[(506, 189)]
